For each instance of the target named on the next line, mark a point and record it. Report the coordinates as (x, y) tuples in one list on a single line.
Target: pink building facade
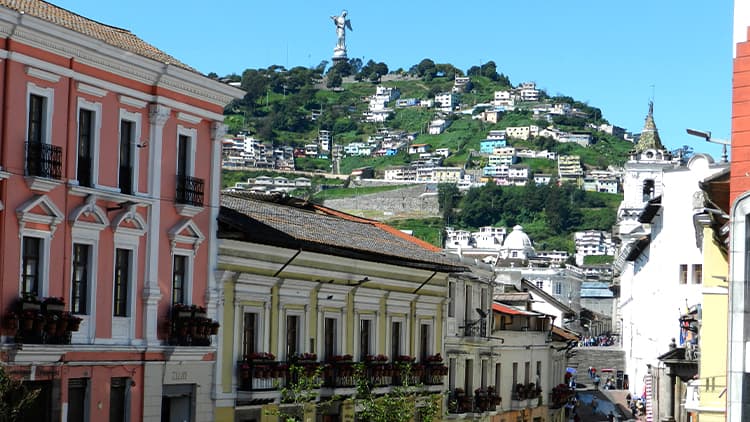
[(109, 184)]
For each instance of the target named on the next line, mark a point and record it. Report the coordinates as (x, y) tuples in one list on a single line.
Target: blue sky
[(615, 55)]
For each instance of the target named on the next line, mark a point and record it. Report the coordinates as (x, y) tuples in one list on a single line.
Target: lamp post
[(707, 136)]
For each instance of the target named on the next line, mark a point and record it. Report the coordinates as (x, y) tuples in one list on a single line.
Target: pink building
[(109, 185)]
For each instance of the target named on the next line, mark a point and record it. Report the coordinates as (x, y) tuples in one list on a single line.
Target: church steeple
[(650, 134)]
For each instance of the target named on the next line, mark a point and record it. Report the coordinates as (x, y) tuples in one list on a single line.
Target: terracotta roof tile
[(116, 37), (355, 234)]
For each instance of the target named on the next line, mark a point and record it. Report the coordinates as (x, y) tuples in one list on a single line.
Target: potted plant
[(74, 322), (53, 304), (12, 320)]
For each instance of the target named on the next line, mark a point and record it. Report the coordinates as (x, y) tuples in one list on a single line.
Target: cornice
[(69, 44)]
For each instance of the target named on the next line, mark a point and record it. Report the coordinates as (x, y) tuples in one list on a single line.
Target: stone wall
[(409, 202)]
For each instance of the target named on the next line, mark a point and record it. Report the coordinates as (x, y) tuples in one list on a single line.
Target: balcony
[(43, 166), (189, 326), (477, 328), (35, 321), (261, 375), (483, 400), (340, 373), (189, 191)]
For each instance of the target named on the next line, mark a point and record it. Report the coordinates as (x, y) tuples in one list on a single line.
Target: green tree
[(402, 404), (15, 398), (448, 197)]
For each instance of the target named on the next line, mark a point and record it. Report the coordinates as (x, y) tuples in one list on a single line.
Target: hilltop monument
[(342, 23)]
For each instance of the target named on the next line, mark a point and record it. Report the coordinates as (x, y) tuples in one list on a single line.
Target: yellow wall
[(713, 336)]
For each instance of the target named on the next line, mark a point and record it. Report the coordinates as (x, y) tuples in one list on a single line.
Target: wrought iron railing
[(189, 191), (43, 160), (476, 328)]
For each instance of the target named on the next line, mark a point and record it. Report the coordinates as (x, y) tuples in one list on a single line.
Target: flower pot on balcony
[(62, 325), (74, 323)]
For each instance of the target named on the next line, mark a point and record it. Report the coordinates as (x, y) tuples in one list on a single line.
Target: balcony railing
[(339, 374), (483, 400), (43, 160), (189, 326), (35, 321), (476, 328), (189, 191)]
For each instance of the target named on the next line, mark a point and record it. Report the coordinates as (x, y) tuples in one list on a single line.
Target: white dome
[(517, 245)]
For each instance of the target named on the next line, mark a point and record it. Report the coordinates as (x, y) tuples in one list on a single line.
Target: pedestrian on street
[(597, 380)]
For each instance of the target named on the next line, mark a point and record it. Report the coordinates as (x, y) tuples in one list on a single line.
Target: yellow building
[(706, 396), (306, 284)]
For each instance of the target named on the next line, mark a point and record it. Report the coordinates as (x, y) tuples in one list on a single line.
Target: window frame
[(682, 275), (697, 273), (48, 94), (188, 256), (135, 119), (94, 142), (74, 309), (192, 136), (40, 277), (122, 292), (123, 328)]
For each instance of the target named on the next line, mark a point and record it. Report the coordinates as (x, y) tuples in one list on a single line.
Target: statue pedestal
[(339, 54)]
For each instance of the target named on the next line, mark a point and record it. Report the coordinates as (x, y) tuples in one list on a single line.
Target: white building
[(437, 126), (658, 264), (446, 101), (522, 132), (593, 243), (496, 134), (527, 91)]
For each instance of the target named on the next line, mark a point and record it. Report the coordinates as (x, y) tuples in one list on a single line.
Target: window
[(483, 300), (85, 147), (127, 134), (329, 341), (117, 399), (526, 374), (558, 288), (395, 339), (697, 273), (469, 377), (683, 273), (485, 373), (648, 189), (31, 265), (80, 283), (183, 163), (451, 299), (498, 377), (538, 374), (37, 111), (122, 283), (365, 332), (250, 333), (515, 374), (77, 399), (540, 284), (424, 341), (179, 273), (468, 309), (292, 335), (451, 373)]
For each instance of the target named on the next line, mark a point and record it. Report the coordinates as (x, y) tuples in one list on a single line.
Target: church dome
[(517, 245)]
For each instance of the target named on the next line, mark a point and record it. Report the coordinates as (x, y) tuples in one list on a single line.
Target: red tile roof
[(116, 37)]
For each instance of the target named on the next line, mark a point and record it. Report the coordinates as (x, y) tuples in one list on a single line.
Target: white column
[(214, 291), (158, 116)]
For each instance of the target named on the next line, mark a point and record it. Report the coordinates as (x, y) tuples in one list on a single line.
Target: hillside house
[(446, 101), (496, 134), (419, 148), (437, 126), (488, 146), (522, 132)]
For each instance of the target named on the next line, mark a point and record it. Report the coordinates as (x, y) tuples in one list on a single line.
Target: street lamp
[(707, 136)]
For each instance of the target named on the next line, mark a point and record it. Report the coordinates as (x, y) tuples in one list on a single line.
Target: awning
[(507, 310)]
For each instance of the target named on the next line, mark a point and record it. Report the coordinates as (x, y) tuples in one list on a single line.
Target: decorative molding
[(218, 130), (176, 237), (130, 215), (52, 218), (188, 211), (88, 209), (91, 90), (124, 99), (193, 353), (42, 74), (188, 118), (158, 114)]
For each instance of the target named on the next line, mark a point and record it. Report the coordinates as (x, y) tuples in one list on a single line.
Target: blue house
[(391, 151), (487, 146)]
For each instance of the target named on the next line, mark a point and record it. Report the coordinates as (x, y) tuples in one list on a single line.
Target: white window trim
[(189, 254), (136, 119), (374, 337), (192, 134), (262, 336), (49, 95), (301, 332), (88, 325), (431, 343), (96, 108), (44, 258), (123, 328), (338, 341), (402, 336)]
